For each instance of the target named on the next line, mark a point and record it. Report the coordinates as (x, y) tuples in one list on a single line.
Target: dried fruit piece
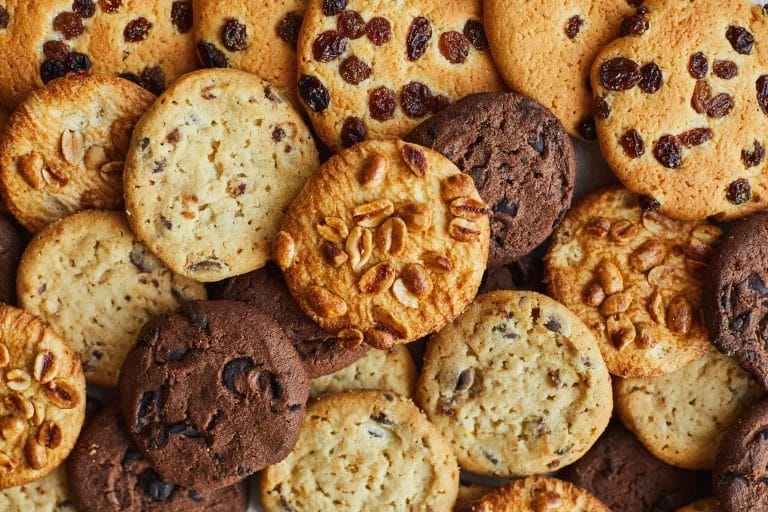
[(680, 315), (725, 69), (69, 24), (61, 394), (350, 24), (181, 16), (353, 70), (755, 157), (77, 62), (620, 330), (378, 278), (110, 5), (314, 93), (739, 191), (415, 159), (475, 33), (289, 27), (573, 27), (416, 99), (379, 30), (464, 230), (695, 137), (668, 152), (417, 216), (137, 30), (334, 7), (328, 46), (634, 25), (419, 34), (212, 57), (720, 106), (698, 66), (649, 204), (381, 103), (72, 146), (372, 214), (392, 237), (374, 172), (651, 78), (702, 94), (633, 144), (234, 35), (741, 39), (283, 250), (359, 247), (762, 93), (601, 109), (587, 128), (45, 367), (453, 46), (56, 50), (352, 131), (325, 303), (333, 229), (619, 74)]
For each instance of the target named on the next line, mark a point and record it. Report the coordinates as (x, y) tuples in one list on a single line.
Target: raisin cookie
[(681, 417), (385, 244), (97, 285), (211, 169), (516, 384), (368, 71), (634, 276), (706, 505), (11, 247), (684, 119), (43, 398), (522, 161), (48, 494), (64, 147), (364, 450), (545, 49)]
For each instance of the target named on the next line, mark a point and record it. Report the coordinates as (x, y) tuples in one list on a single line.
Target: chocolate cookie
[(213, 393), (265, 289), (735, 298), (521, 160), (111, 475), (11, 247)]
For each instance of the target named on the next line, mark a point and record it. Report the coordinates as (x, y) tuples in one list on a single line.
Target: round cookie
[(634, 276), (265, 289), (386, 370), (367, 71), (211, 169), (63, 148), (214, 393), (112, 476), (364, 450), (683, 119), (681, 417), (521, 159), (48, 494), (96, 284), (11, 247), (516, 385), (385, 244), (734, 302), (624, 476), (545, 49), (707, 505), (42, 398)]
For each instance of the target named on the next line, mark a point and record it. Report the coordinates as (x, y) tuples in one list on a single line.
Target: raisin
[(741, 40), (725, 69), (418, 38), (314, 93), (573, 27), (84, 8), (288, 28), (68, 24), (55, 50), (328, 46), (619, 74), (77, 62), (5, 18), (181, 16), (695, 137), (698, 66), (353, 70), (454, 47), (416, 99), (649, 204), (633, 144), (652, 78), (210, 56), (762, 93), (381, 103), (379, 30), (587, 128), (153, 80), (720, 106), (702, 94), (131, 77), (51, 70), (475, 33), (137, 30), (350, 24), (110, 5), (601, 109), (439, 102), (333, 7), (739, 192), (235, 375), (755, 157), (352, 132), (668, 152), (634, 25)]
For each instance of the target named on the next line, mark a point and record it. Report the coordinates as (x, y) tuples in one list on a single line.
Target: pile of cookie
[(325, 243)]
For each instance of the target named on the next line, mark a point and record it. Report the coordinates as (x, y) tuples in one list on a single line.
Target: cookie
[(634, 276), (364, 450), (386, 370), (624, 476), (367, 71), (681, 417), (734, 302), (42, 401), (211, 169), (469, 493), (385, 244), (683, 119), (48, 494), (64, 148), (97, 285), (707, 505), (213, 393), (11, 247), (516, 384), (112, 475), (521, 159), (265, 289), (257, 37)]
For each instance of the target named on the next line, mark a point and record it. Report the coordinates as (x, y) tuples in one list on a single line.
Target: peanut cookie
[(707, 505), (516, 384), (545, 48), (64, 148), (256, 36), (684, 119), (634, 276), (368, 71), (385, 244), (386, 370), (211, 169), (364, 450), (43, 398), (11, 247), (97, 285), (681, 417), (469, 493), (48, 494)]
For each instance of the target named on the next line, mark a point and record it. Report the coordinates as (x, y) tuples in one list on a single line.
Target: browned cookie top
[(11, 247)]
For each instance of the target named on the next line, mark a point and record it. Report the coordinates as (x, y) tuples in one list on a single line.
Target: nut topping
[(380, 339), (11, 427), (456, 186), (359, 247), (464, 230), (61, 394), (31, 169), (5, 356), (374, 172), (34, 452), (680, 315), (405, 297), (697, 250), (55, 177), (49, 435), (333, 229), (17, 380), (95, 156), (623, 231), (392, 237), (645, 338), (598, 227), (648, 255), (46, 366), (415, 159), (372, 214), (416, 280), (696, 268), (593, 294), (6, 461), (72, 146), (333, 254), (284, 250), (610, 277), (468, 208), (616, 303), (661, 225), (417, 216), (707, 233), (621, 331), (39, 414), (350, 339), (436, 262), (111, 169), (18, 402), (377, 278), (326, 304), (656, 307)]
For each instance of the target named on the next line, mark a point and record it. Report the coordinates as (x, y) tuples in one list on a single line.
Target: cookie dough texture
[(11, 247), (48, 494), (64, 148), (634, 276), (364, 450), (545, 48), (211, 169), (516, 385), (707, 505), (97, 285), (693, 109)]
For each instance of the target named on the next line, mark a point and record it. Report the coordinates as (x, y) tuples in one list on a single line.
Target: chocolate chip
[(84, 8), (553, 324), (465, 380), (381, 103), (382, 419), (538, 142), (698, 66), (51, 70), (210, 56), (668, 152), (69, 24), (131, 455), (573, 27), (739, 324), (352, 132), (475, 33), (378, 30), (235, 375), (234, 35), (506, 207), (755, 157), (314, 93), (739, 192), (194, 314), (419, 35), (150, 404), (619, 74), (154, 487), (183, 430), (181, 16), (740, 38), (137, 30), (756, 284), (289, 27)]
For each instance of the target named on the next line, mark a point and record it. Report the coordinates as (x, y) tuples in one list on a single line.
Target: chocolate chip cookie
[(11, 247), (213, 393), (522, 161)]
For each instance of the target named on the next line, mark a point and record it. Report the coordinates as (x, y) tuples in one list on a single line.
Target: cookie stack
[(332, 243)]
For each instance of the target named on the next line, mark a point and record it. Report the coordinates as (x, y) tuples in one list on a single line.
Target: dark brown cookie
[(213, 393), (520, 158), (107, 473), (625, 476), (11, 247), (736, 298), (265, 289), (526, 273)]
